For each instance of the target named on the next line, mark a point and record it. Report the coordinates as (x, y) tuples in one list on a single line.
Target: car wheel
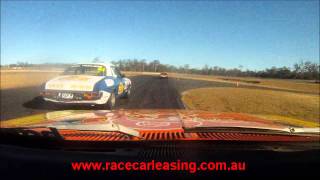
[(127, 94), (111, 101)]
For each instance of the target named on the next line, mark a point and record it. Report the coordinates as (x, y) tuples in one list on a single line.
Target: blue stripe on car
[(101, 86)]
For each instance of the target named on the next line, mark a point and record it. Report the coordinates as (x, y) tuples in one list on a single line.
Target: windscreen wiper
[(286, 131), (47, 132), (109, 127), (52, 131)]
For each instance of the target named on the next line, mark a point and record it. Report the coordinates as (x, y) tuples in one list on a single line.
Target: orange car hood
[(146, 119)]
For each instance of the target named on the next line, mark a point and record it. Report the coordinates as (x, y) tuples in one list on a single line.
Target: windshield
[(173, 71), (86, 70), (236, 65)]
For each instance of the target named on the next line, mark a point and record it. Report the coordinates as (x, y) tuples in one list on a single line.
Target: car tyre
[(127, 94), (111, 102)]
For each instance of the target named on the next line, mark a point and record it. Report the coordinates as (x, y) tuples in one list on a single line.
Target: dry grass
[(26, 78), (301, 85), (287, 84), (254, 101), (306, 86), (18, 79)]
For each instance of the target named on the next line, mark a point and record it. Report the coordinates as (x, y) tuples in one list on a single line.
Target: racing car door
[(119, 85)]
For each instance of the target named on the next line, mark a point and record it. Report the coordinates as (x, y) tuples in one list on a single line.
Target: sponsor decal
[(73, 83), (120, 88), (81, 87), (109, 82), (54, 86), (61, 86), (75, 78), (152, 124)]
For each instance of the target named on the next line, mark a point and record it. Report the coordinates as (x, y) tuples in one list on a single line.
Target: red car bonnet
[(159, 125)]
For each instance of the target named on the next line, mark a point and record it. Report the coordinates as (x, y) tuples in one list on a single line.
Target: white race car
[(90, 83)]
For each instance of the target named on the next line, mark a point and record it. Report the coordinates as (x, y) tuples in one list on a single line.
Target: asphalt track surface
[(148, 92)]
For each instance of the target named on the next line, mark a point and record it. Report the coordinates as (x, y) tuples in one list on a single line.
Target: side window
[(110, 72), (113, 72), (116, 72)]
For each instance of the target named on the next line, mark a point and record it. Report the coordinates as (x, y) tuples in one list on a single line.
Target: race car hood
[(151, 120), (73, 83)]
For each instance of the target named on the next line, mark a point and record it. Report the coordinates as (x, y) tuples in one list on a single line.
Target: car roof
[(107, 65)]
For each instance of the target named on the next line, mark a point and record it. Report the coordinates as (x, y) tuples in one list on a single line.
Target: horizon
[(150, 61), (256, 35)]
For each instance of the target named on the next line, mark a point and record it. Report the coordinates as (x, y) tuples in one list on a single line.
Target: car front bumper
[(102, 100)]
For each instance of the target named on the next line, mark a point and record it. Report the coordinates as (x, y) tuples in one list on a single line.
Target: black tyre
[(111, 102), (127, 94)]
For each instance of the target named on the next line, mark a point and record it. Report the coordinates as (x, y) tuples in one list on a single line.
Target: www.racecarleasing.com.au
[(153, 165)]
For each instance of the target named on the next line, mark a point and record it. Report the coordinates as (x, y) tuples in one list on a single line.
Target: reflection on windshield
[(85, 70)]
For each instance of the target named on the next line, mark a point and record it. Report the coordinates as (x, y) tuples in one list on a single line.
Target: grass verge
[(270, 103)]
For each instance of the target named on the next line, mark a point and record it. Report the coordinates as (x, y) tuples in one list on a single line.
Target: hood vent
[(95, 136), (178, 135), (162, 135), (250, 137), (225, 136)]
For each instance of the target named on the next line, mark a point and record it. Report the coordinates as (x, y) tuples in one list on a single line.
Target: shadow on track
[(40, 104)]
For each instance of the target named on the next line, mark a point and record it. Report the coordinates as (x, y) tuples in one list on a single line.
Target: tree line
[(300, 70)]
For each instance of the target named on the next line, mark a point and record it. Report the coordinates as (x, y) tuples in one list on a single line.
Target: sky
[(253, 34)]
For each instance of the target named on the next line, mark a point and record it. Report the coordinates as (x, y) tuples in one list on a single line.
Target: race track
[(149, 92)]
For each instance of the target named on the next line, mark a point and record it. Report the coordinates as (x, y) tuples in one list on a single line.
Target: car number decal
[(120, 88)]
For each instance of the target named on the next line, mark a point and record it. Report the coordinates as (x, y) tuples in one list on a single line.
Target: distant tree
[(186, 68), (96, 60), (240, 67), (155, 64), (205, 69), (143, 64), (301, 70)]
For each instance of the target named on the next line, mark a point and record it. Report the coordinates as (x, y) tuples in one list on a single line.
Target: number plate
[(65, 95)]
